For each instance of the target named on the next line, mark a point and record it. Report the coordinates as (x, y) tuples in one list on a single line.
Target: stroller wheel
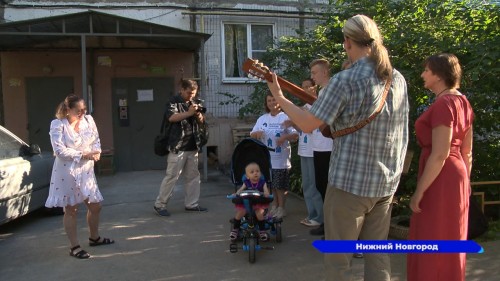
[(252, 247), (279, 238), (233, 248)]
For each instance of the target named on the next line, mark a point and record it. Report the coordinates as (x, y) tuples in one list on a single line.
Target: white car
[(24, 176)]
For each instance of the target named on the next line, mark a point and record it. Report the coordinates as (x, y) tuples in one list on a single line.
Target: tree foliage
[(412, 30)]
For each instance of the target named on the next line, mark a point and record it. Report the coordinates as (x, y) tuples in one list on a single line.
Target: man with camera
[(188, 133)]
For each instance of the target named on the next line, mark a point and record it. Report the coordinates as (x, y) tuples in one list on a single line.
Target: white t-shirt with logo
[(319, 142), (305, 148), (273, 128)]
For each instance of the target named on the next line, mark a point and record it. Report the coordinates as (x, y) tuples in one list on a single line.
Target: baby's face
[(253, 172)]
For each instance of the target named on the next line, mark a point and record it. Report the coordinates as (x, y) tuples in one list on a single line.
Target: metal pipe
[(203, 86), (84, 68), (237, 13)]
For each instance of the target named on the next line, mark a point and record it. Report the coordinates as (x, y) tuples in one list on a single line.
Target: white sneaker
[(313, 223), (279, 213), (304, 221), (272, 211), (308, 222)]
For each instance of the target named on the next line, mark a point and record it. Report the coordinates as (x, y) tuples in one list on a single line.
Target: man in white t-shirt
[(322, 146), (312, 197)]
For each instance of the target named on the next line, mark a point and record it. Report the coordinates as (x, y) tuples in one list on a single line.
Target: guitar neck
[(296, 91), (305, 97), (256, 69)]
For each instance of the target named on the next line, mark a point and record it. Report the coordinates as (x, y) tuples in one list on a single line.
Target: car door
[(24, 177)]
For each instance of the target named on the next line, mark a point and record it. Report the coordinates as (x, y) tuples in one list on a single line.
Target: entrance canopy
[(102, 30), (85, 31), (96, 30)]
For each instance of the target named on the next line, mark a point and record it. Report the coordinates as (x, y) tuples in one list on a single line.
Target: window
[(242, 41), (9, 146)]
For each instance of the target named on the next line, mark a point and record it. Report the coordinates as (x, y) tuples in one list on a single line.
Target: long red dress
[(445, 203)]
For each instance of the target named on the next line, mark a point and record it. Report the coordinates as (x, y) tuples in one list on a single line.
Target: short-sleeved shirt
[(451, 111), (320, 142), (259, 186), (273, 128), (182, 134), (369, 161), (305, 145)]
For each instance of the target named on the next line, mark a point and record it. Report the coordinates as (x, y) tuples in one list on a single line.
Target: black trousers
[(321, 167)]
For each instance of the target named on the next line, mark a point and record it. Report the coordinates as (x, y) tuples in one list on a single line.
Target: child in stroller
[(253, 181), (251, 174)]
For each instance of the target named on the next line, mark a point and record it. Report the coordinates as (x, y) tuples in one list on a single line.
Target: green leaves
[(414, 30)]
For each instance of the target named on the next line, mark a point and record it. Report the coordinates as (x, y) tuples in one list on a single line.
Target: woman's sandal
[(100, 241), (82, 254)]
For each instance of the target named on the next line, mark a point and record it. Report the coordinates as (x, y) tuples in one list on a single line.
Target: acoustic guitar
[(258, 70)]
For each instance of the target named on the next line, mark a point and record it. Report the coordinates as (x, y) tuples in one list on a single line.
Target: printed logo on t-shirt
[(278, 148)]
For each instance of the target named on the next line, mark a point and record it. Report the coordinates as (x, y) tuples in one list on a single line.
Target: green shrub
[(412, 30)]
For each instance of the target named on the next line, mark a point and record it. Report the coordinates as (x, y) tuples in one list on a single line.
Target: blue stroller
[(247, 151)]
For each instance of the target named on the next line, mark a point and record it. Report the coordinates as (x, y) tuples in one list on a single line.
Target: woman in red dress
[(440, 203)]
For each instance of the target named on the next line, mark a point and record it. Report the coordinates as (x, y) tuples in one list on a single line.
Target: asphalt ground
[(184, 246)]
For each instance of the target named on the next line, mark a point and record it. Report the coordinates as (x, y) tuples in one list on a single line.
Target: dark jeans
[(321, 168)]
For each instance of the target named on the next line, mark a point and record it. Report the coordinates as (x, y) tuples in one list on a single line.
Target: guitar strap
[(365, 122)]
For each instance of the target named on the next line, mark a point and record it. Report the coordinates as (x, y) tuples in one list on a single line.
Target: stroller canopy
[(247, 151)]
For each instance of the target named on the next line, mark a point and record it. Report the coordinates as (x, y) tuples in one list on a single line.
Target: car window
[(9, 146)]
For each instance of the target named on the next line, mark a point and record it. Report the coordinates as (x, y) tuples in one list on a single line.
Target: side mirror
[(35, 149), (31, 150)]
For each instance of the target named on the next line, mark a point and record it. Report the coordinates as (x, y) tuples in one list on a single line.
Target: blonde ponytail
[(380, 56), (363, 31)]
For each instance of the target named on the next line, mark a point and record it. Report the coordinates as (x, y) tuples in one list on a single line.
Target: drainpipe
[(200, 60), (84, 68), (203, 86)]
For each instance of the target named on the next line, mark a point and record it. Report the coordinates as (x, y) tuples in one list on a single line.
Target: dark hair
[(269, 94), (447, 67), (310, 80), (69, 102), (188, 84)]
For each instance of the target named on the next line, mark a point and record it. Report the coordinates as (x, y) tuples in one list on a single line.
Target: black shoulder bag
[(161, 140)]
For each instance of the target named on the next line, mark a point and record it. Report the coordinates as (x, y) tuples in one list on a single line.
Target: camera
[(199, 103)]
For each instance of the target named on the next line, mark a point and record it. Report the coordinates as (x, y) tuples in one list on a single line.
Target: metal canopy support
[(202, 84)]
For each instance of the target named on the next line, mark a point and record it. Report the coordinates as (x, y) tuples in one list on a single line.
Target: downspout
[(203, 85), (84, 68), (200, 60), (2, 118)]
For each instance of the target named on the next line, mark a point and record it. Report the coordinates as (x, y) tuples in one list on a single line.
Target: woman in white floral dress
[(76, 145)]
